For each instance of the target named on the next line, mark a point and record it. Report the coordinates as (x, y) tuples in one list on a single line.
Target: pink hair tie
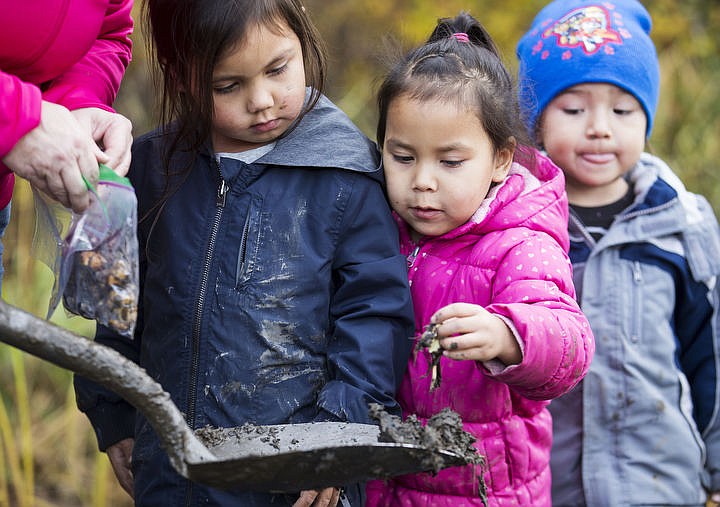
[(461, 36)]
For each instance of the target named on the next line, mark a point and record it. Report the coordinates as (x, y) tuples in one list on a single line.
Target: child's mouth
[(266, 126), (425, 213)]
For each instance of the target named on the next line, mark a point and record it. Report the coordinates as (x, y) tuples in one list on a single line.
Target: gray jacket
[(643, 427)]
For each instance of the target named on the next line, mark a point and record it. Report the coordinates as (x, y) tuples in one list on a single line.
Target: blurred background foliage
[(48, 454)]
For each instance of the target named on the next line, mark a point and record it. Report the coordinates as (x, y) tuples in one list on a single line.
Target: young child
[(642, 428), (482, 221), (273, 289)]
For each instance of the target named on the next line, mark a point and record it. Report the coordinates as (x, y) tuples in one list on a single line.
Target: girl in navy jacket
[(272, 287)]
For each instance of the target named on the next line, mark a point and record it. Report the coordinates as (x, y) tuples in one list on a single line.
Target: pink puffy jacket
[(511, 259), (71, 52)]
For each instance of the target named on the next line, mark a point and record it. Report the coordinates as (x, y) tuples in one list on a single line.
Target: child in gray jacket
[(642, 428)]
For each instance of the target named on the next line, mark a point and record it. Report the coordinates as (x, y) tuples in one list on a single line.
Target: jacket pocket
[(242, 253), (248, 245), (686, 409)]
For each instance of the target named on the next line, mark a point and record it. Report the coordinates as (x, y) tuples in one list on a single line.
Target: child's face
[(439, 164), (258, 89), (595, 133)]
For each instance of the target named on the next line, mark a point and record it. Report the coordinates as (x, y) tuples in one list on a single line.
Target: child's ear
[(503, 161)]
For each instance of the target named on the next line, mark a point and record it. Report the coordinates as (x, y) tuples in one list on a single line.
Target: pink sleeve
[(20, 105), (94, 80), (535, 292)]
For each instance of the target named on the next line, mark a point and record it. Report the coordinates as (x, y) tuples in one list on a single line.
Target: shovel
[(279, 458)]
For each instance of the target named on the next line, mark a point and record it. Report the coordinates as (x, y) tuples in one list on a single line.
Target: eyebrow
[(284, 55), (395, 143), (453, 147)]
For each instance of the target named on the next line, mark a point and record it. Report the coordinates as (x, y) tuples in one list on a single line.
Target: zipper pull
[(411, 258), (222, 191), (637, 272)]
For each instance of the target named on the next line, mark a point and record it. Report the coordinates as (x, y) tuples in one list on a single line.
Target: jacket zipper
[(200, 305), (413, 255), (197, 315)]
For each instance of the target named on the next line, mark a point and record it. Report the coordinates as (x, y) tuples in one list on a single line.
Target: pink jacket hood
[(510, 258), (73, 53)]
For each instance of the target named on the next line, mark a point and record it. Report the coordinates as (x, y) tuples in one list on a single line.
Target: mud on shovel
[(281, 458)]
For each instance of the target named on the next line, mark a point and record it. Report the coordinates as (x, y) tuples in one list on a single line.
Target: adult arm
[(90, 87), (43, 143), (95, 79)]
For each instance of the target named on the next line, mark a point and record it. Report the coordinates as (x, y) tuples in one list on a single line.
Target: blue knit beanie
[(572, 42)]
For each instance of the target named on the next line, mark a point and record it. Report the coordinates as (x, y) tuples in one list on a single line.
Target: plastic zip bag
[(96, 261)]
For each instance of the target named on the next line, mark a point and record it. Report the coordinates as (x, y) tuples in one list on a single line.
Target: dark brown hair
[(188, 37), (468, 71)]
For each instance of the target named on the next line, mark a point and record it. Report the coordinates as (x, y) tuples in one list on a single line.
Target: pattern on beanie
[(571, 42), (587, 27)]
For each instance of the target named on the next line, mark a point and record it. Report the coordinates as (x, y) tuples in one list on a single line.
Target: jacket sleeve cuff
[(342, 402), (20, 110), (112, 423), (497, 367)]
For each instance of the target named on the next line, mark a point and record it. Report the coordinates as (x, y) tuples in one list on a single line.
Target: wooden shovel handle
[(108, 367)]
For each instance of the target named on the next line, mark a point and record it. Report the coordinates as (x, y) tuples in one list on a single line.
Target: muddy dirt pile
[(315, 455), (443, 432)]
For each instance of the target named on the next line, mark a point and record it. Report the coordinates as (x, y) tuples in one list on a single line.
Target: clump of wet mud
[(265, 435), (443, 432), (430, 341), (291, 457)]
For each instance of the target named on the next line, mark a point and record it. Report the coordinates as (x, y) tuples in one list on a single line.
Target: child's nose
[(598, 126), (424, 179), (259, 99)]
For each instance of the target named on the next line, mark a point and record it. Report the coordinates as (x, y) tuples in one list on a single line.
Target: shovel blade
[(296, 457)]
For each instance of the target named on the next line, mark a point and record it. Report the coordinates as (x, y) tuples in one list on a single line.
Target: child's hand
[(120, 456), (327, 497), (468, 331)]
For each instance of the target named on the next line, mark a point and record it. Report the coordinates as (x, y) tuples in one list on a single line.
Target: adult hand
[(120, 455), (327, 497), (55, 155), (112, 132)]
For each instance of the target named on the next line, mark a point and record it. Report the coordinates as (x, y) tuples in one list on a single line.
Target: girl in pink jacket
[(483, 222)]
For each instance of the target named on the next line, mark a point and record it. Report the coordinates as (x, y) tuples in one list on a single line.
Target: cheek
[(294, 99), (295, 88), (227, 109), (555, 130), (396, 185), (633, 148), (463, 204), (558, 147)]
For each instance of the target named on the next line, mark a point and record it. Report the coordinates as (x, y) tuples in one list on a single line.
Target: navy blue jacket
[(271, 292)]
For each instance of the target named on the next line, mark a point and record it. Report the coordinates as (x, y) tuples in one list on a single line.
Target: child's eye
[(402, 159), (622, 111), (226, 89), (452, 163), (278, 70), (572, 110)]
